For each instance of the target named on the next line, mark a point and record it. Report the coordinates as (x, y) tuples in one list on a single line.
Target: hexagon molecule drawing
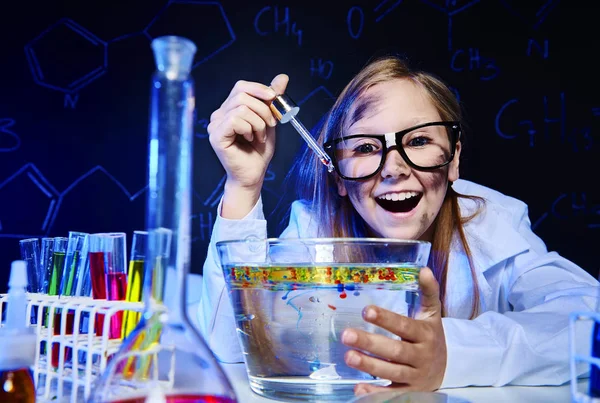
[(66, 57)]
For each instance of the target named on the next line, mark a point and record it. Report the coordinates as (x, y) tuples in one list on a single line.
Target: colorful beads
[(342, 278)]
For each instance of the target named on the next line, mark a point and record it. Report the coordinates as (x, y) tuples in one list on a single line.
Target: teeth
[(398, 196)]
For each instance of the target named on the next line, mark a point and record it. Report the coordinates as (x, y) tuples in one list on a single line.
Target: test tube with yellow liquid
[(135, 280)]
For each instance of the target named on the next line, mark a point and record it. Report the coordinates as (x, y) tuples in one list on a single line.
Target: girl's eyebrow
[(411, 124)]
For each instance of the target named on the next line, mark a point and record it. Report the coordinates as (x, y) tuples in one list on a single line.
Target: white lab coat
[(527, 293)]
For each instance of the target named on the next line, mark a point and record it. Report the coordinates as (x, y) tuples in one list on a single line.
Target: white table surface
[(514, 394)]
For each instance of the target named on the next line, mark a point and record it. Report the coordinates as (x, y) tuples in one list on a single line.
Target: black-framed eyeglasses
[(426, 147)]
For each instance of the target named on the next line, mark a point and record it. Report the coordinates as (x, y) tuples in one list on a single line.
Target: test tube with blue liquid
[(72, 259), (30, 253), (82, 285)]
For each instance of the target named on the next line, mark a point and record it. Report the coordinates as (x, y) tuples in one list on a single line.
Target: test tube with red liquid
[(96, 258), (115, 264), (108, 273)]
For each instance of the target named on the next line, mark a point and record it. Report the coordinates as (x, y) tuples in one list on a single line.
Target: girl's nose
[(394, 165)]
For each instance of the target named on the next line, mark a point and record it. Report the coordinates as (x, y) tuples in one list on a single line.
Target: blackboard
[(74, 95)]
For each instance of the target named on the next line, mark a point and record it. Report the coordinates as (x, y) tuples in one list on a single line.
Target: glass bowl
[(292, 299)]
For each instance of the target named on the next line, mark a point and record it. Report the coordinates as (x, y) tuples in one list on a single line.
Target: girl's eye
[(418, 142), (365, 148)]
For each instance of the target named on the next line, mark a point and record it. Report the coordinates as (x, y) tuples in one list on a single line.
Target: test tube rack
[(70, 381)]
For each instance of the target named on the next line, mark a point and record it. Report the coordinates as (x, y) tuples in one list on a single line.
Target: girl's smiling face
[(391, 107)]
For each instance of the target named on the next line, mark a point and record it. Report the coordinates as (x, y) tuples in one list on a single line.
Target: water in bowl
[(290, 320)]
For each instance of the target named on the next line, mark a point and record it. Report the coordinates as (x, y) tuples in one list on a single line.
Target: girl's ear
[(453, 172), (341, 187)]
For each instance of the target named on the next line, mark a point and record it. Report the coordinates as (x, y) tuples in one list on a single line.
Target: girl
[(494, 303)]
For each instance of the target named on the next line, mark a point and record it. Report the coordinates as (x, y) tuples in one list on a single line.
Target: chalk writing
[(9, 141), (200, 128), (86, 55), (205, 223), (354, 13), (471, 60), (456, 93), (321, 68), (208, 20), (529, 14), (575, 206), (384, 9), (74, 41), (542, 50), (580, 138), (284, 23), (71, 101), (29, 172)]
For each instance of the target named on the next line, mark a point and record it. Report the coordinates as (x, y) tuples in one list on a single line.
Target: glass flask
[(165, 358)]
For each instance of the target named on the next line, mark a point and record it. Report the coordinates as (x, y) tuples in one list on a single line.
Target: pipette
[(285, 110)]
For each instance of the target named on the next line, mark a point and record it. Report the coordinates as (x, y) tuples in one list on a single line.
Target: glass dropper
[(285, 110)]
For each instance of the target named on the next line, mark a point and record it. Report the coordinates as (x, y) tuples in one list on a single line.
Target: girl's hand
[(415, 363), (242, 133)]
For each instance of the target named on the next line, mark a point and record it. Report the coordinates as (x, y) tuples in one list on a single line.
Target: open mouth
[(399, 202)]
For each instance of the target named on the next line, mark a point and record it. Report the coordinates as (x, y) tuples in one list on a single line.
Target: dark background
[(74, 94)]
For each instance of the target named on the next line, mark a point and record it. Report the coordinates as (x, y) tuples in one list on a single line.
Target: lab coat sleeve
[(215, 314), (528, 344)]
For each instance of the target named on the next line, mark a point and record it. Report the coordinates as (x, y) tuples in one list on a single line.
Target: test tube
[(46, 267), (83, 282), (73, 256), (158, 250), (115, 263), (30, 253), (58, 264), (46, 263), (135, 279), (67, 286), (82, 286), (98, 278)]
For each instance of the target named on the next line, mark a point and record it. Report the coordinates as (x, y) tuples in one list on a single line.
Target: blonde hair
[(335, 215)]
